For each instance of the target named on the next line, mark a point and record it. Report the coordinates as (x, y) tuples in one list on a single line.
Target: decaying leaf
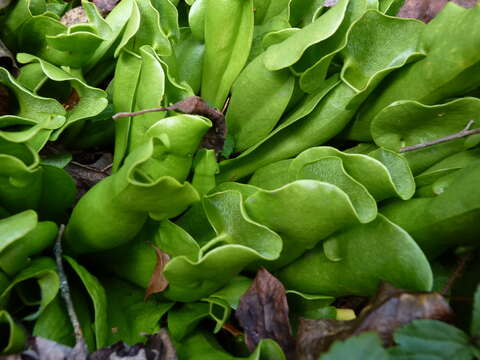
[(390, 309), (263, 313), (426, 10), (158, 281)]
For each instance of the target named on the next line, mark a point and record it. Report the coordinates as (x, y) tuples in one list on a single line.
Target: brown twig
[(194, 105), (461, 134), (67, 298), (462, 263)]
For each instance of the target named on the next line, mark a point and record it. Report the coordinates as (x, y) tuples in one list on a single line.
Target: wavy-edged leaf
[(300, 123), (239, 242), (189, 52), (444, 42), (364, 255), (144, 28), (152, 175), (259, 98), (302, 213), (272, 176), (40, 274), (369, 60), (446, 220), (316, 61), (37, 117), (290, 51), (92, 101)]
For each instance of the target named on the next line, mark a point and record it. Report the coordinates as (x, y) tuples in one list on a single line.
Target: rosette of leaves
[(152, 177)]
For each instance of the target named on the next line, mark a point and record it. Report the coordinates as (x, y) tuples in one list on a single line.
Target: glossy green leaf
[(35, 119), (239, 242), (98, 297), (444, 41), (295, 133), (139, 84), (364, 255), (435, 339), (189, 52), (152, 175), (40, 274), (316, 61), (272, 176), (92, 101), (15, 255), (144, 28), (13, 335), (301, 214), (228, 37), (365, 62), (259, 98), (185, 318), (291, 50), (196, 19), (445, 220)]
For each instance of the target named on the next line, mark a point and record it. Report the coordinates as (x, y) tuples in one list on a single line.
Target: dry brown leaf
[(390, 309), (263, 313), (158, 281)]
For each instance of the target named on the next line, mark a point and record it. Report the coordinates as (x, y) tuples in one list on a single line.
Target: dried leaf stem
[(65, 291), (461, 134)]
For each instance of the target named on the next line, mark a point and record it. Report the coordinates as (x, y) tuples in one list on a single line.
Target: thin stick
[(65, 291), (136, 113), (100, 171), (464, 133), (462, 264)]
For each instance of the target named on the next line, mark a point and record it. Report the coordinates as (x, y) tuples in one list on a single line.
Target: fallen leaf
[(158, 281), (390, 309), (315, 336), (72, 101), (263, 313)]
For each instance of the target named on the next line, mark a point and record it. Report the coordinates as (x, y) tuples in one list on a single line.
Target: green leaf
[(98, 297), (364, 255), (239, 241), (435, 339), (363, 346), (129, 314), (37, 116), (428, 81), (92, 101), (438, 225), (13, 335), (228, 37), (152, 175), (43, 273), (259, 98), (475, 326), (288, 52)]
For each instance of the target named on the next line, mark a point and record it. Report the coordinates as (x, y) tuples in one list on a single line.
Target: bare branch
[(461, 134), (65, 291)]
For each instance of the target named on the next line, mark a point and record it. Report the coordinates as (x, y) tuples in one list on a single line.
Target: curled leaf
[(158, 282)]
